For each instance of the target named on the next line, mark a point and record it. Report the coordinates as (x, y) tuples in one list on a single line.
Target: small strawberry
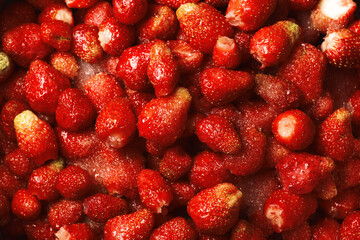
[(350, 227), (35, 137), (98, 13), (326, 189), (215, 210), (202, 24), (226, 53), (221, 86), (75, 232), (138, 99), (9, 183), (322, 107), (19, 164), (133, 13), (66, 63), (25, 206), (175, 163), (249, 15), (326, 228), (116, 123), (80, 3), (176, 228), (56, 11), (334, 136), (101, 207), (273, 44), (134, 226), (342, 48), (64, 212), (57, 34), (332, 15), (183, 192), (14, 87), (162, 69), (24, 44)]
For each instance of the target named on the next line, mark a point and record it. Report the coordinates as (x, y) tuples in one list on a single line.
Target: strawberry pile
[(180, 120)]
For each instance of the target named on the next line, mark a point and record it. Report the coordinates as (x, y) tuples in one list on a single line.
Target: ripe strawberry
[(353, 105), (273, 44), (334, 136), (302, 232), (74, 110), (57, 34), (322, 107), (75, 232), (134, 226), (215, 210), (175, 163), (163, 120), (188, 58), (287, 211), (326, 189), (19, 164), (25, 206), (116, 123), (326, 228), (6, 67), (65, 63), (9, 183), (309, 171), (7, 115), (43, 85), (133, 13), (98, 13), (202, 25), (24, 44), (64, 212), (208, 170), (115, 37), (350, 227), (42, 182), (306, 69), (155, 193), (226, 53), (35, 137), (332, 15), (221, 86), (14, 87), (101, 207), (249, 15), (101, 89), (80, 3), (176, 228), (162, 69), (348, 173), (342, 48), (85, 43), (246, 230), (138, 99), (56, 11)]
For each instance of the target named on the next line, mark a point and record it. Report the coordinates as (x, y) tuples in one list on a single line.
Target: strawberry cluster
[(180, 120)]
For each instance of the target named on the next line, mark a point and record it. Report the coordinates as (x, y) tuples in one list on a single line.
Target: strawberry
[(327, 228), (7, 115), (334, 136), (98, 13), (326, 189), (163, 120), (342, 48), (246, 230), (353, 105), (115, 37), (202, 25), (43, 85), (9, 183), (183, 192), (56, 11), (226, 53), (135, 11), (116, 123), (56, 34), (162, 69), (35, 137), (215, 210), (80, 3), (175, 163), (14, 87), (6, 67), (64, 212), (24, 44), (101, 207), (322, 107), (75, 231), (19, 164), (300, 173), (25, 206), (249, 15), (273, 44), (306, 69), (348, 173), (176, 228), (85, 43), (65, 63), (134, 226), (138, 99), (332, 15), (302, 232), (350, 227), (221, 86)]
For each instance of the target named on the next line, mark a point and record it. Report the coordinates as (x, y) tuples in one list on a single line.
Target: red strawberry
[(43, 85), (101, 207), (39, 229), (175, 164), (80, 3), (163, 120), (98, 13), (302, 232), (322, 107), (133, 13), (24, 44), (334, 136), (65, 63), (273, 45), (56, 11), (348, 173), (115, 37), (226, 53), (342, 48), (215, 210), (353, 105), (9, 183), (306, 69), (35, 137), (14, 87), (249, 15), (134, 226), (350, 227), (326, 189), (162, 69), (300, 173), (202, 25), (138, 99), (183, 192), (246, 230), (7, 115), (75, 232), (332, 15), (221, 86), (19, 164), (85, 43), (116, 123), (325, 229), (64, 212), (176, 228), (57, 34), (25, 206)]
